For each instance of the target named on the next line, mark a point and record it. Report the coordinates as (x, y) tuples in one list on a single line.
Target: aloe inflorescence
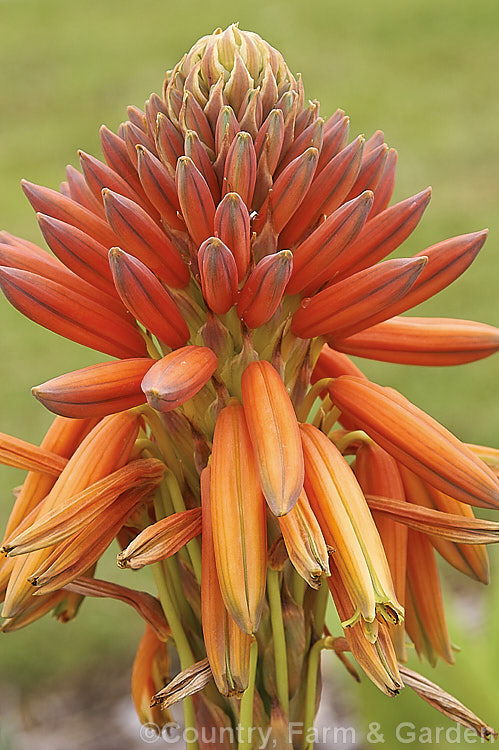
[(228, 253)]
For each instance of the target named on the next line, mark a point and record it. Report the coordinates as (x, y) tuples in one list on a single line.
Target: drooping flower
[(230, 253)]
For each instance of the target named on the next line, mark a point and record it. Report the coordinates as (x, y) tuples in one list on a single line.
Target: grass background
[(424, 72)]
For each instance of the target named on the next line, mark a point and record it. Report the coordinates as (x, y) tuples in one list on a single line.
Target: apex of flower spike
[(242, 60)]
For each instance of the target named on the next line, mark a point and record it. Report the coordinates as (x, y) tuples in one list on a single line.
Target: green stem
[(321, 607), (313, 666), (246, 712), (171, 614), (163, 508), (179, 507), (313, 663), (332, 414), (298, 587), (179, 636), (309, 400), (280, 653), (351, 437), (163, 441), (151, 347)]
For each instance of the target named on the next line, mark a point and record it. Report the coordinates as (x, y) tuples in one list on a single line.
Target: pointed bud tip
[(115, 253)]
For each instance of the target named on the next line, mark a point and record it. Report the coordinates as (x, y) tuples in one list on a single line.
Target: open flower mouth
[(229, 253)]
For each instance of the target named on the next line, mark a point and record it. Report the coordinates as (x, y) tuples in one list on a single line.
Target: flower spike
[(229, 254)]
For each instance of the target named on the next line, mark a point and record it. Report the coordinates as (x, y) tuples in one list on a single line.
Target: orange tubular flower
[(378, 474), (274, 434), (304, 542), (382, 234), (150, 672), (32, 258), (79, 252), (227, 646), (348, 527), (178, 377), (229, 252), (264, 289), (146, 298), (62, 439), (472, 560), (218, 273), (66, 312), (425, 620), (95, 391), (377, 659), (161, 539), (238, 516), (314, 257), (232, 225), (137, 231), (417, 441), (106, 448), (348, 306), (423, 341), (23, 455), (58, 524)]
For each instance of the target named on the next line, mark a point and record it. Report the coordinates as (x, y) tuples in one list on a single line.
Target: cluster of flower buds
[(229, 253)]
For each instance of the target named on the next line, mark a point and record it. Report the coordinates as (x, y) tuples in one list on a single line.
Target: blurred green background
[(423, 71)]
